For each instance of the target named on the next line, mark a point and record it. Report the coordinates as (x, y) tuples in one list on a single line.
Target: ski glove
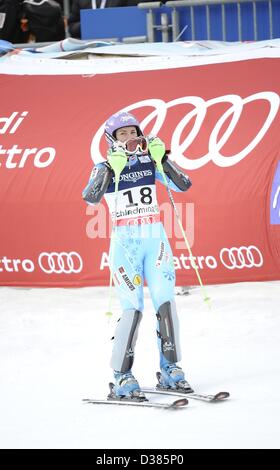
[(174, 173), (157, 149), (117, 160)]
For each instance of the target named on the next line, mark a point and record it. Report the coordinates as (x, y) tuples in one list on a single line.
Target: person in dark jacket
[(74, 21), (10, 16), (43, 20)]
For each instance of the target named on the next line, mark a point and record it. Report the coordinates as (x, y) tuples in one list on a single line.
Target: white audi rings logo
[(58, 263), (242, 257), (268, 106)]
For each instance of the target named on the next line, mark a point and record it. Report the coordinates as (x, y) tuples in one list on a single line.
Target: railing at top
[(251, 15), (226, 20)]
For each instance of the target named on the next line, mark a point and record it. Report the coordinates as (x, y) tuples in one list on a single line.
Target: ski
[(175, 405), (220, 396)]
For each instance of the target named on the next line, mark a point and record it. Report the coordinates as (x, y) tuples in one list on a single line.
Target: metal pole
[(208, 23), (175, 24), (192, 23), (255, 21), (270, 20), (164, 27), (66, 8), (150, 26), (239, 22), (224, 22), (150, 6)]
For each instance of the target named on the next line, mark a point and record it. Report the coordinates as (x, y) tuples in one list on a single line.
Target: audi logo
[(267, 101), (58, 263), (242, 257)]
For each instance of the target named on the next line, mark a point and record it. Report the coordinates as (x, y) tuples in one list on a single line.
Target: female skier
[(142, 251)]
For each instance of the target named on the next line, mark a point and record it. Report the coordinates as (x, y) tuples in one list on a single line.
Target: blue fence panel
[(118, 22), (131, 21), (200, 30), (276, 19), (113, 23), (263, 20), (216, 22), (231, 23), (247, 22), (185, 20)]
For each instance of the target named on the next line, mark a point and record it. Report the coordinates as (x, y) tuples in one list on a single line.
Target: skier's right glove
[(117, 160)]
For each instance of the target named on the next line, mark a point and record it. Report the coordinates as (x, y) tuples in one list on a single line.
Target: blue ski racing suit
[(142, 253)]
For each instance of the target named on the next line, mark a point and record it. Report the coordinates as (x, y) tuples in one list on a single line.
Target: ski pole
[(117, 161), (158, 153)]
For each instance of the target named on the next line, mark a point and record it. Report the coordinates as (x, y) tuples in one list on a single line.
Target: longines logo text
[(16, 157), (135, 176)]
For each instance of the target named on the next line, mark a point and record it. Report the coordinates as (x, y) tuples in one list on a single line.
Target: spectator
[(43, 20), (74, 24), (10, 14)]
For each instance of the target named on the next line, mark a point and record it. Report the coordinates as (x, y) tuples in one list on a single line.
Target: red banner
[(221, 122)]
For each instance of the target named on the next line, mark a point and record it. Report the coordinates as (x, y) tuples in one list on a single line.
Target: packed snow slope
[(55, 347)]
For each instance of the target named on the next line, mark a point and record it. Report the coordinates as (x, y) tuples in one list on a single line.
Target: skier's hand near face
[(114, 154), (157, 149), (117, 159)]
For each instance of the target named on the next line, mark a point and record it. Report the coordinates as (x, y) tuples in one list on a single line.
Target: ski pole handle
[(117, 160), (157, 150)]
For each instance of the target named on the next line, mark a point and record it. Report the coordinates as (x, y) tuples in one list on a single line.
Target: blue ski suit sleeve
[(177, 180), (171, 185), (98, 183)]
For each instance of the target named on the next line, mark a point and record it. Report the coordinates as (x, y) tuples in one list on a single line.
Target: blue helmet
[(118, 120)]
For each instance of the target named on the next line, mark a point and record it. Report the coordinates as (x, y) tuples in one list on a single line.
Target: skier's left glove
[(157, 149)]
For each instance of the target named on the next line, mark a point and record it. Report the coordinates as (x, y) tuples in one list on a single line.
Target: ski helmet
[(118, 120)]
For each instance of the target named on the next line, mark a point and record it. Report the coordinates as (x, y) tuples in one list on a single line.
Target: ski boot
[(173, 377), (126, 387)]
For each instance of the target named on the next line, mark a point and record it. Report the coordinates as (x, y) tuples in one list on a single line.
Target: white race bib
[(135, 205)]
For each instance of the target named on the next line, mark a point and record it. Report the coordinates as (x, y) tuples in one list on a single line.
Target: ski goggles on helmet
[(137, 144)]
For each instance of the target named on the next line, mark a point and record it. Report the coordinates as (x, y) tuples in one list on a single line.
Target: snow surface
[(55, 350)]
